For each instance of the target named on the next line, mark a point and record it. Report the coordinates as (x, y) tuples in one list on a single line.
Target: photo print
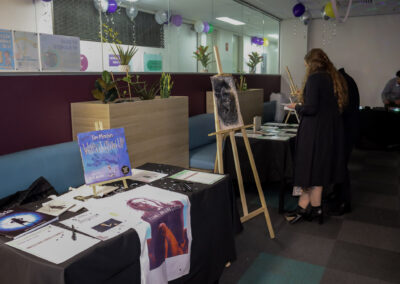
[(226, 99)]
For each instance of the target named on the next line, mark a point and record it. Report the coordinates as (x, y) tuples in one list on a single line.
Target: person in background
[(340, 200), (391, 92), (319, 155)]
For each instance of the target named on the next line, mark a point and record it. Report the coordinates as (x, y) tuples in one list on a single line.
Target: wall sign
[(152, 62), (6, 50), (26, 51)]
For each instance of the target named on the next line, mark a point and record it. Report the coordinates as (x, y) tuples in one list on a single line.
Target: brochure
[(17, 222), (146, 176), (200, 177)]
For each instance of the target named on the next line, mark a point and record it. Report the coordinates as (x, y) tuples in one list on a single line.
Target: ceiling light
[(274, 36), (230, 21)]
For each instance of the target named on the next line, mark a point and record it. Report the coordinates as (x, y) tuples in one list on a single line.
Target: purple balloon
[(112, 6), (206, 27), (254, 40), (298, 10), (176, 20), (46, 0), (260, 41)]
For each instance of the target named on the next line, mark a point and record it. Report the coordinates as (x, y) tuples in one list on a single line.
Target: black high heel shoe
[(317, 213), (296, 215)]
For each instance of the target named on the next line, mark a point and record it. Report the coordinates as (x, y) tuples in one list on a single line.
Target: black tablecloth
[(214, 220), (274, 160), (379, 129)]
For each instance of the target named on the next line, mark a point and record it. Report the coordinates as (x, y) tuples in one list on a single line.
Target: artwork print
[(227, 102), (104, 155), (169, 236), (6, 50)]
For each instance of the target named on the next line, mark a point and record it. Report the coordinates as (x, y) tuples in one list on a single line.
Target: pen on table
[(73, 233)]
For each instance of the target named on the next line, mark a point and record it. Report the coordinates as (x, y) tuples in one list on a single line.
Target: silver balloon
[(161, 17), (101, 5), (324, 15), (132, 12), (119, 2), (305, 18), (199, 26)]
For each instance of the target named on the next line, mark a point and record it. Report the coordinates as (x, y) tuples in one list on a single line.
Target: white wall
[(367, 47), (293, 47)]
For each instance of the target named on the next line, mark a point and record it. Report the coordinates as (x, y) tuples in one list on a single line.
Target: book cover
[(104, 155), (17, 222)]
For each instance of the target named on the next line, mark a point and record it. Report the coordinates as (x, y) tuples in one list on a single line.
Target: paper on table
[(146, 176), (102, 226), (271, 136), (55, 207), (200, 177), (53, 243)]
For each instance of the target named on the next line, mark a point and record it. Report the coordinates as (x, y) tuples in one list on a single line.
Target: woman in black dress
[(319, 158)]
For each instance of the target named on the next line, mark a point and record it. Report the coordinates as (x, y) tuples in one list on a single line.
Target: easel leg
[(219, 154), (239, 173), (259, 188), (297, 117), (125, 183), (287, 117)]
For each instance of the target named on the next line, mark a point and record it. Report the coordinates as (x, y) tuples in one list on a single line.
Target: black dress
[(319, 157)]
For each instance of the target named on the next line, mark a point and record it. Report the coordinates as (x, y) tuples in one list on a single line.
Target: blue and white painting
[(104, 155)]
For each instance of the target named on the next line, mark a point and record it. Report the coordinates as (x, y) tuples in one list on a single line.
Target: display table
[(273, 158), (214, 220)]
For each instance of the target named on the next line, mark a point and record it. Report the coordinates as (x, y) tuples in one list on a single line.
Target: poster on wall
[(104, 155), (6, 50), (26, 51), (60, 53), (152, 62)]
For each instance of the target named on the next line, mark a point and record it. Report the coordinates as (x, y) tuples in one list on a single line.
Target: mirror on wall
[(169, 35)]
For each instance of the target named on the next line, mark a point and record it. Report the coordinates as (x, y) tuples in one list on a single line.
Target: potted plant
[(124, 56), (242, 84), (165, 85), (203, 56), (254, 59), (105, 88)]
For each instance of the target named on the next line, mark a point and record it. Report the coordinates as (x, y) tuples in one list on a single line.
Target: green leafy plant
[(166, 85), (254, 59), (242, 84), (105, 88), (124, 56), (203, 56), (145, 91)]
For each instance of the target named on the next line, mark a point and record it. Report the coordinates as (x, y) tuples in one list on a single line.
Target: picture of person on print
[(226, 98), (391, 92), (168, 233)]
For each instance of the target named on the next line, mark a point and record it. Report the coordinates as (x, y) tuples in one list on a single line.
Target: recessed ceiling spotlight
[(230, 21)]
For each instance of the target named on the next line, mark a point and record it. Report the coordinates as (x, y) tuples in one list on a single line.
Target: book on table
[(17, 222)]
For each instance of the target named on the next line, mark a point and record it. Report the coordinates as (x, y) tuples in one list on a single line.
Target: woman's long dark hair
[(317, 60)]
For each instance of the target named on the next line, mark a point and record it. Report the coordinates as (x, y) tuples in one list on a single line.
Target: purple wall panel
[(35, 109)]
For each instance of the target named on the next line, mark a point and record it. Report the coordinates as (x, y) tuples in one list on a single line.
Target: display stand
[(293, 92), (219, 167), (99, 126)]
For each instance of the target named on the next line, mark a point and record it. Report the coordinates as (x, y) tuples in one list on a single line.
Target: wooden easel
[(219, 167), (293, 92), (99, 126)]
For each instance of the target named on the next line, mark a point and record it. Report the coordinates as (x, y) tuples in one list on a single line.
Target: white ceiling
[(256, 23), (283, 8)]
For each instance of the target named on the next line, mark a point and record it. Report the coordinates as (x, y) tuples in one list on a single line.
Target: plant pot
[(125, 68), (204, 70)]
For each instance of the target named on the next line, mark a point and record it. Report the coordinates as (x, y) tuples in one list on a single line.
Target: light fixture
[(230, 21), (274, 36)]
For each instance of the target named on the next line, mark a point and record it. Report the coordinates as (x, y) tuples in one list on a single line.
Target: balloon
[(161, 17), (329, 10), (176, 20), (132, 12), (260, 41), (324, 15), (46, 0), (306, 18), (112, 6), (266, 42), (198, 26), (101, 5), (298, 10), (119, 2), (254, 40), (211, 28), (206, 27)]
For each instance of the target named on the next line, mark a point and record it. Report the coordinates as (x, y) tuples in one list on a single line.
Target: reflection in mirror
[(170, 35)]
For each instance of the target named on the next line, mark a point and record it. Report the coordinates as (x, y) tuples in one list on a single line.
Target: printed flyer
[(6, 50)]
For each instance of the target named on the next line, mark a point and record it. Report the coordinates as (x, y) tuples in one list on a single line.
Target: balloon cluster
[(203, 27), (109, 6), (300, 11), (259, 41), (161, 17)]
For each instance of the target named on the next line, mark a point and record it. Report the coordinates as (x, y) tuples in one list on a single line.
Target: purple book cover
[(104, 155)]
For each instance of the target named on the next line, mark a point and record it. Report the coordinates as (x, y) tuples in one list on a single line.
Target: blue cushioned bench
[(202, 148), (60, 164)]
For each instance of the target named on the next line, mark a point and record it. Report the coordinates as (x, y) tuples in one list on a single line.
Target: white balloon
[(305, 18), (199, 26), (161, 17), (132, 11), (101, 5)]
